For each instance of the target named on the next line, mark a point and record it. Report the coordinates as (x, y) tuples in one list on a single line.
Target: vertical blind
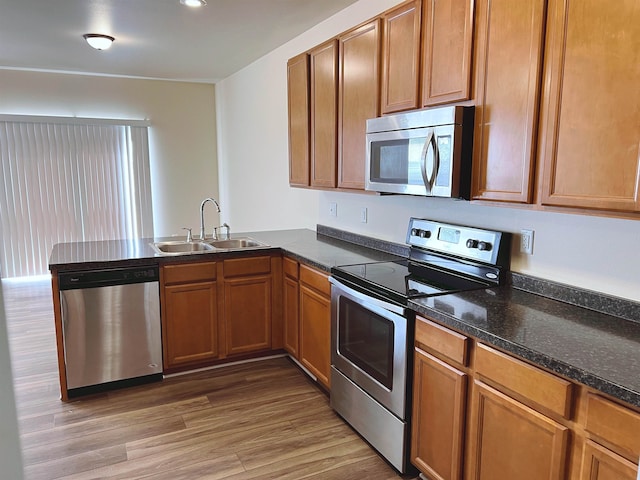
[(69, 180)]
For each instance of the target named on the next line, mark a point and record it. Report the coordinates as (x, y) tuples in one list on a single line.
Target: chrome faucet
[(208, 199)]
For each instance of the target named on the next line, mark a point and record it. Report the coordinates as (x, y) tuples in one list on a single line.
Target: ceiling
[(154, 38)]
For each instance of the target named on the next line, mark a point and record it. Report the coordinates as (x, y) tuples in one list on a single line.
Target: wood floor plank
[(81, 463), (44, 452), (259, 420)]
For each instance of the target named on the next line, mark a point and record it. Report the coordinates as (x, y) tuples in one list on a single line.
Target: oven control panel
[(486, 246)]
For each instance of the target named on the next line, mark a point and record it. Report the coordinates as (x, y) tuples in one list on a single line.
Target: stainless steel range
[(372, 326)]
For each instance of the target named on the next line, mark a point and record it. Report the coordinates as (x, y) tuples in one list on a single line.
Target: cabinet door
[(291, 316), (447, 36), (324, 114), (401, 57), (598, 463), (439, 404), (298, 96), (359, 99), (247, 314), (191, 324), (509, 440), (508, 61), (591, 131), (315, 333)]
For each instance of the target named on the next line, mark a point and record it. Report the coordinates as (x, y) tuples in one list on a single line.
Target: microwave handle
[(430, 178)]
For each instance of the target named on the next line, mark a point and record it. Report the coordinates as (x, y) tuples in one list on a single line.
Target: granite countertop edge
[(551, 363)]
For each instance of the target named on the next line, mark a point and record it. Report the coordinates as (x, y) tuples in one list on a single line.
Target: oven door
[(369, 340)]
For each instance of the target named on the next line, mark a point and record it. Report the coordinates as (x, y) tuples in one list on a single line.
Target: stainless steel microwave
[(424, 152)]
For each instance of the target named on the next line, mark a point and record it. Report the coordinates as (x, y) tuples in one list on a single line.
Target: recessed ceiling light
[(193, 3), (99, 41)]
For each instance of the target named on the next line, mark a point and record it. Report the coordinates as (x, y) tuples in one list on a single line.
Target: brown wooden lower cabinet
[(315, 323), (189, 314), (291, 302), (599, 463), (192, 323), (212, 310), (481, 414), (509, 440), (437, 441), (247, 304)]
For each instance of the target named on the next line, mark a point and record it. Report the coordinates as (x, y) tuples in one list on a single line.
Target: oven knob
[(484, 246), (472, 243), (425, 234), (414, 232)]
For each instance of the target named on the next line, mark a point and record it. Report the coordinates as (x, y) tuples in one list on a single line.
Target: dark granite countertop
[(319, 250), (581, 344), (593, 348)]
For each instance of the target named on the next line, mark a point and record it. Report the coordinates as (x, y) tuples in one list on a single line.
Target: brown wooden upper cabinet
[(401, 57), (508, 58), (324, 114), (447, 40), (298, 96), (590, 137), (359, 99)]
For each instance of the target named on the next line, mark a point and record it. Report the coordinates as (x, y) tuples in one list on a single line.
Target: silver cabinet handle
[(429, 178)]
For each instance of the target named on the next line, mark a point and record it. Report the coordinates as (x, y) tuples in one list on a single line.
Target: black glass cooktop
[(404, 279)]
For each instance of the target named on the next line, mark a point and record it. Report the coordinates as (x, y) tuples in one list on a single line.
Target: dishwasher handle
[(108, 277)]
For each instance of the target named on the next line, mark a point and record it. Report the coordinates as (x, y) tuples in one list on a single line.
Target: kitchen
[(567, 247)]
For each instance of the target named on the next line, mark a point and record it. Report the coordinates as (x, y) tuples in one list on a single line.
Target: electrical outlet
[(363, 215), (333, 209), (526, 242)]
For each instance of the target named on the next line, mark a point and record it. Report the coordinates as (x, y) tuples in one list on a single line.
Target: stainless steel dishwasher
[(111, 328)]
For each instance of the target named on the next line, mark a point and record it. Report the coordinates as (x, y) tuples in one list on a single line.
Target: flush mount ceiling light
[(193, 3), (99, 41)]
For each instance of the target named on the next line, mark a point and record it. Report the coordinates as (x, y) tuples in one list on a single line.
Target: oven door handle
[(368, 299)]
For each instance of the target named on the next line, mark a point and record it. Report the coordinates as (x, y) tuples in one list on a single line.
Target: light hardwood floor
[(261, 420)]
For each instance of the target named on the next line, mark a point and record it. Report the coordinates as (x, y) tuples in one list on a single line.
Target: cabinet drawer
[(189, 272), (442, 340), (532, 383), (614, 423), (237, 267), (290, 267), (315, 279)]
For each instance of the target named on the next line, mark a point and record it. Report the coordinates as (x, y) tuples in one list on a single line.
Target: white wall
[(591, 252), (182, 134), (10, 454)]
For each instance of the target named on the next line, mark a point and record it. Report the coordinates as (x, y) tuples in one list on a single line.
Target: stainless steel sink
[(180, 247), (236, 243)]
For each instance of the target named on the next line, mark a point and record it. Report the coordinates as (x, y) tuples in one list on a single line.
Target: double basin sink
[(182, 247)]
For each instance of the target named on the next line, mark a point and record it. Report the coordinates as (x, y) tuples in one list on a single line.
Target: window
[(69, 180)]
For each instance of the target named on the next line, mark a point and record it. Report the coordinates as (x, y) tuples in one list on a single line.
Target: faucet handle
[(224, 225), (189, 236)]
